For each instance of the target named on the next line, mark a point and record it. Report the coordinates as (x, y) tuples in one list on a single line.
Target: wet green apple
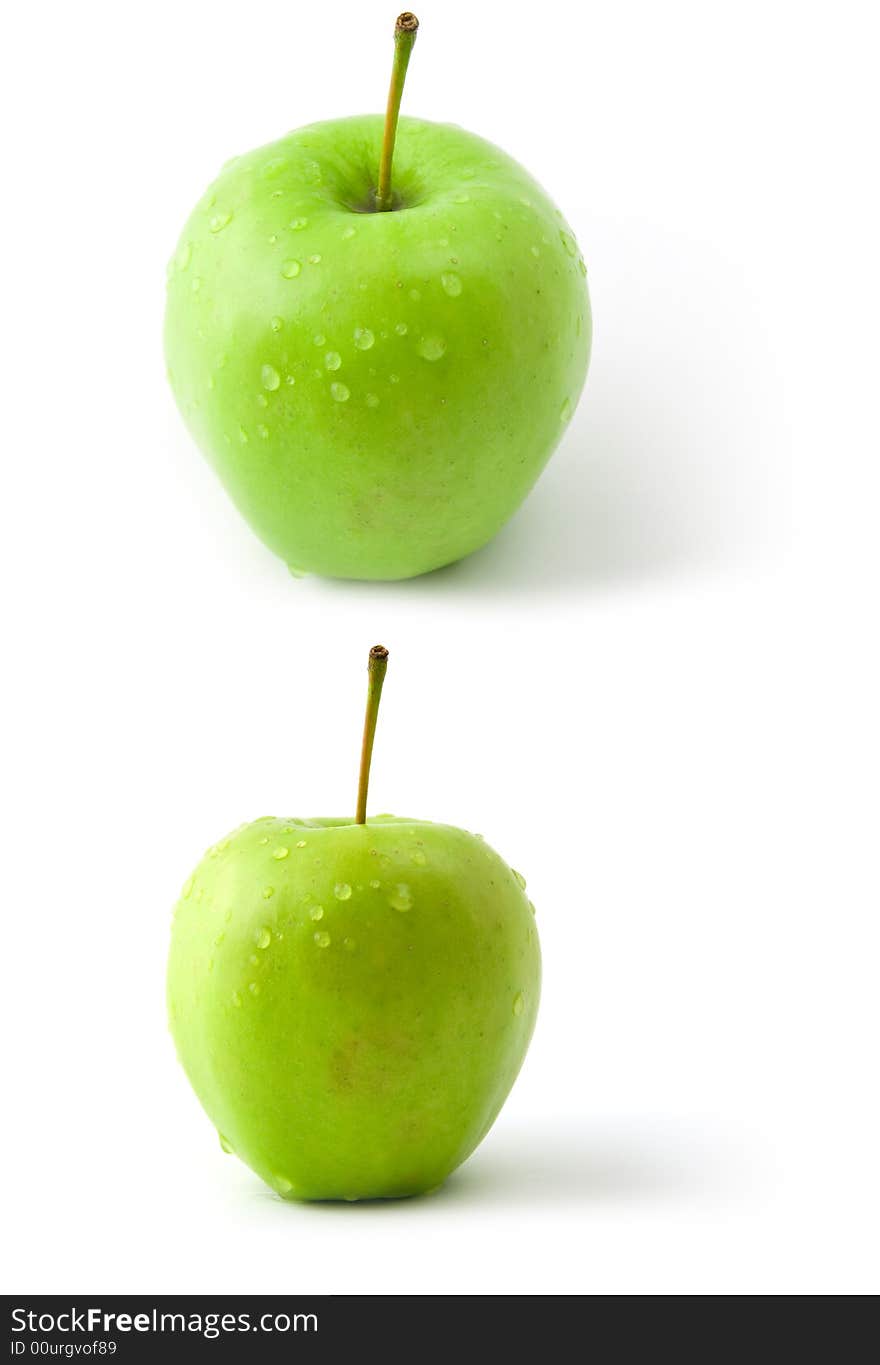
[(378, 387), (352, 1000)]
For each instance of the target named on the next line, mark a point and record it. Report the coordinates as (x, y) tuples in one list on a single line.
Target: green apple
[(352, 999), (377, 390)]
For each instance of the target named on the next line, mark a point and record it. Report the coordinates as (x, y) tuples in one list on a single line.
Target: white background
[(656, 692)]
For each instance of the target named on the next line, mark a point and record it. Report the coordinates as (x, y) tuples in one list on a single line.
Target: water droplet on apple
[(451, 284), (228, 916), (349, 233), (280, 853), (418, 857), (254, 988), (282, 1184), (187, 887), (461, 198), (431, 347), (316, 912), (262, 431), (401, 329), (219, 939), (297, 224), (363, 338), (342, 891), (535, 250), (226, 1145), (349, 945), (375, 884), (315, 258), (276, 324), (184, 256), (372, 400), (414, 295), (565, 411), (262, 400), (270, 378), (210, 381), (519, 1003), (196, 283), (582, 266), (243, 436), (219, 221), (268, 891), (568, 242), (340, 393), (322, 939), (264, 840), (333, 360), (236, 999), (264, 938), (289, 379), (400, 898), (290, 269), (273, 167), (394, 379), (519, 877)]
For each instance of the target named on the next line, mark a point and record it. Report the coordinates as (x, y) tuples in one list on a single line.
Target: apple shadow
[(574, 1164)]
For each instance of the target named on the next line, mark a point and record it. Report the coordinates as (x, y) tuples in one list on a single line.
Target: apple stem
[(376, 666), (405, 30)]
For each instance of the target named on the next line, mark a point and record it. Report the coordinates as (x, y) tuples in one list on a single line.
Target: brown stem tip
[(406, 23)]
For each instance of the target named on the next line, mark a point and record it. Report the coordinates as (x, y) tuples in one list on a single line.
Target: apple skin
[(365, 1053), (378, 392)]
